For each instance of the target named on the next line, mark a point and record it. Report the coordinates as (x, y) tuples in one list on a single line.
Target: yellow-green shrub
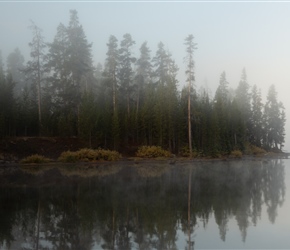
[(68, 156), (86, 154), (236, 154), (107, 155), (35, 159), (152, 152), (257, 151)]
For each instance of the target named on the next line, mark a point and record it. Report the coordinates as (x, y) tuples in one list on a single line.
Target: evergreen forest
[(130, 101)]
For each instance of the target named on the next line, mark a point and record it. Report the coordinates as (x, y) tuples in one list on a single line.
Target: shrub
[(257, 151), (35, 159), (152, 152), (68, 156), (87, 154), (236, 154), (107, 155)]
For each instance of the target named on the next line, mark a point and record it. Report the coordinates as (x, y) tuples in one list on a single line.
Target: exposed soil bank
[(12, 150), (15, 149)]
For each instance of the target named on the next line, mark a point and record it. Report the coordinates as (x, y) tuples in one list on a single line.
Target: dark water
[(204, 205)]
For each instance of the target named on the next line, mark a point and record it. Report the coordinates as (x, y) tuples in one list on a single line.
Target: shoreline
[(136, 160), (14, 149)]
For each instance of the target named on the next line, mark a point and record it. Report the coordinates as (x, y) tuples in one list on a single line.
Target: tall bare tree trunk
[(189, 121), (191, 46), (128, 105), (114, 94), (39, 100)]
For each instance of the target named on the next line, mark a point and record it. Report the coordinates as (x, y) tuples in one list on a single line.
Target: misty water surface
[(201, 205)]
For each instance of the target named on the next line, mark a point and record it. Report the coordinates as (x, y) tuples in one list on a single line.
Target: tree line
[(129, 101)]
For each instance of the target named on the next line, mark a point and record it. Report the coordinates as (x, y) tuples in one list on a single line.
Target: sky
[(230, 36)]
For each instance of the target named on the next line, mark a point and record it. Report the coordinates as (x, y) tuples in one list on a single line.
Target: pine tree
[(191, 46), (7, 102), (79, 50), (104, 109), (256, 117), (221, 108), (274, 120), (111, 68), (15, 67), (25, 118), (2, 74), (57, 64), (222, 91), (243, 96), (88, 116), (125, 69), (125, 76), (171, 105), (143, 72), (160, 73), (35, 69), (204, 108), (110, 74), (159, 62), (243, 100), (237, 126), (147, 116), (59, 91), (281, 128), (70, 66), (142, 80), (165, 81)]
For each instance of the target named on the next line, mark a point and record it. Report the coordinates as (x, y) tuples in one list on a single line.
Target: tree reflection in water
[(137, 206)]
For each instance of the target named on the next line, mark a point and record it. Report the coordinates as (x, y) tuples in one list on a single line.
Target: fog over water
[(230, 36), (150, 205)]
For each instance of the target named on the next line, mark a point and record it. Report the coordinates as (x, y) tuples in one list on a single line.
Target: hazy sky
[(230, 35)]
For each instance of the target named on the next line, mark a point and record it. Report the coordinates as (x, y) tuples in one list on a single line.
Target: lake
[(196, 205)]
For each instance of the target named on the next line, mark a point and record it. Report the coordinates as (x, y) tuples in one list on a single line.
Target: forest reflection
[(136, 206)]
